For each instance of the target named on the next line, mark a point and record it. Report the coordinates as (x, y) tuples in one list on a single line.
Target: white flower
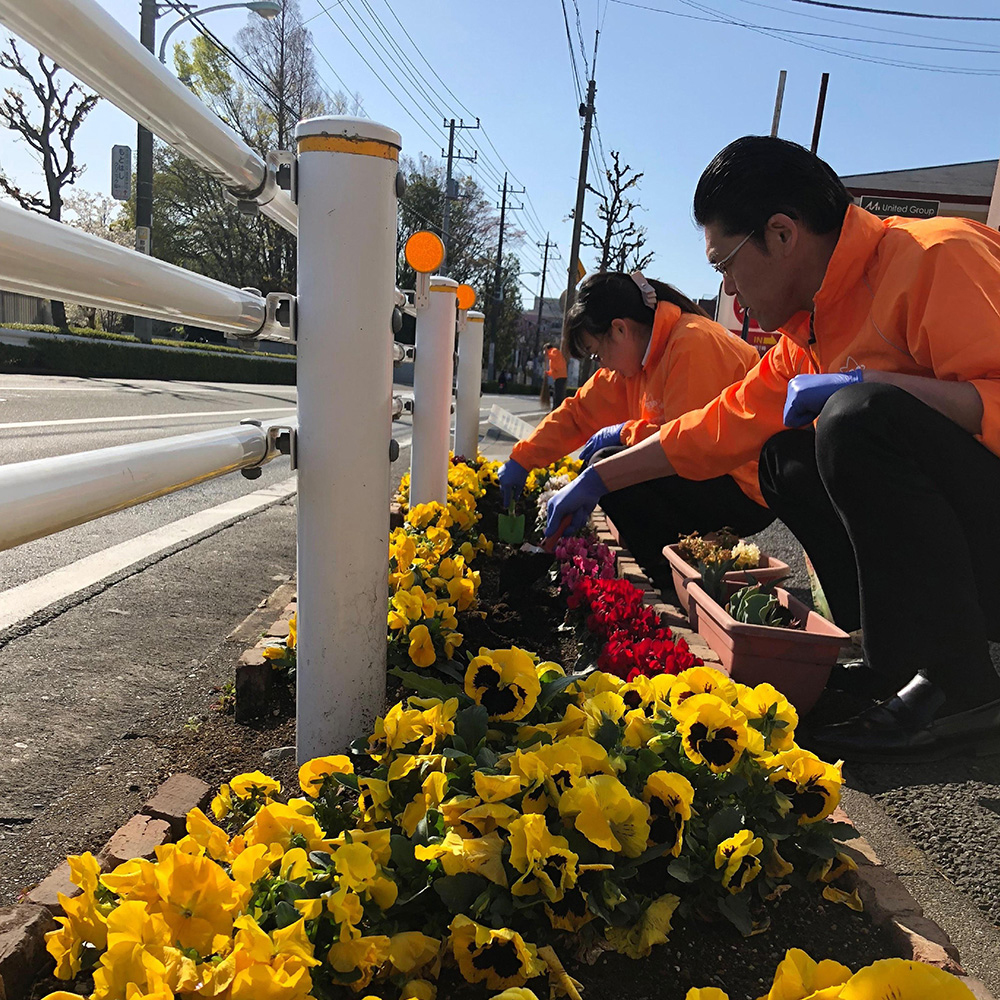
[(746, 554)]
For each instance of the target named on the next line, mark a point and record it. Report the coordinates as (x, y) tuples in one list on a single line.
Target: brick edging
[(887, 901), (23, 927)]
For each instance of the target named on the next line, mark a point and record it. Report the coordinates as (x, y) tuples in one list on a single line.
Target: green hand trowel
[(510, 526)]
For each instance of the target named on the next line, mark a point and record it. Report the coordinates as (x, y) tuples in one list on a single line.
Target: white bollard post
[(346, 278), (433, 367), (469, 391)]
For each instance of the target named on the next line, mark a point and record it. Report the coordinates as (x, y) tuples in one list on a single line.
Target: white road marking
[(29, 598), (22, 424)]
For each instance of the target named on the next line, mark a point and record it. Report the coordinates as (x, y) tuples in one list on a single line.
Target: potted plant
[(761, 636), (721, 554)]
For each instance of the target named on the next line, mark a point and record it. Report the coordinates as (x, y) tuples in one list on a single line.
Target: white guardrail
[(344, 174), (85, 40), (47, 495)]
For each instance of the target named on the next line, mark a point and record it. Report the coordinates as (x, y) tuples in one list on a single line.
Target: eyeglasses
[(721, 265)]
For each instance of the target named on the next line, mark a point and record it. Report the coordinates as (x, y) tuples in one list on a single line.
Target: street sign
[(121, 172), (142, 235), (730, 314), (581, 271), (912, 208)]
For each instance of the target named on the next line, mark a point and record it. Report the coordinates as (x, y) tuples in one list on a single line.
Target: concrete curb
[(886, 899), (23, 927)]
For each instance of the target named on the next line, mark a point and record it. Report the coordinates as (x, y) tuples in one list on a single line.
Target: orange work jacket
[(918, 297), (557, 364), (690, 359)]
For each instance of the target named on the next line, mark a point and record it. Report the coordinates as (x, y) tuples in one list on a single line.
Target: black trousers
[(899, 511), (657, 512), (558, 391)]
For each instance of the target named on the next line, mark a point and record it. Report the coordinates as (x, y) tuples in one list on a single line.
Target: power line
[(579, 35), (896, 13), (894, 31), (781, 35), (572, 55)]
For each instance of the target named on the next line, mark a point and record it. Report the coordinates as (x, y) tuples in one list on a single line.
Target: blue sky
[(672, 89)]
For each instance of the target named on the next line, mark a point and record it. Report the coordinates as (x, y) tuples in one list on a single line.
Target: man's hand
[(807, 394), (606, 437), (511, 477), (576, 502)]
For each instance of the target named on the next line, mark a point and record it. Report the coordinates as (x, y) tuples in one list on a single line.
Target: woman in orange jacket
[(888, 374), (557, 372), (661, 356)]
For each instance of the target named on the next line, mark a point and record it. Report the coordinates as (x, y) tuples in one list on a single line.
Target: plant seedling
[(510, 526)]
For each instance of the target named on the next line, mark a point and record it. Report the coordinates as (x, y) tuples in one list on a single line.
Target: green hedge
[(128, 338), (101, 358)]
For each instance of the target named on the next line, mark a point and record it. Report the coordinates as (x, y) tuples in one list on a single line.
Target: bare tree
[(50, 137), (618, 238)]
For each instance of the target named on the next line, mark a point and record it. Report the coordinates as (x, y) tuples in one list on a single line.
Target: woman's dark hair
[(759, 176), (610, 295)]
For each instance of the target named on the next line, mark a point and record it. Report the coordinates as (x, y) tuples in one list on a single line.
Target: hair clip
[(645, 288)]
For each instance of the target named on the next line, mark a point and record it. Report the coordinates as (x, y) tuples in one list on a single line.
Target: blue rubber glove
[(511, 477), (606, 437), (575, 501), (807, 394)]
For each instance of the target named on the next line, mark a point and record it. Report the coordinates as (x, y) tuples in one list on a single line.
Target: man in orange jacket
[(888, 369), (660, 356), (557, 372)]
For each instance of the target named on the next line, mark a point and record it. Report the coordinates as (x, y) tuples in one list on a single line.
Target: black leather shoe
[(908, 729), (856, 678)]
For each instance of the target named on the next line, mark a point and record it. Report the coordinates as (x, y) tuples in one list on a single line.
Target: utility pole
[(142, 326), (541, 293), (449, 191), (587, 113), (820, 104), (778, 99), (497, 280)]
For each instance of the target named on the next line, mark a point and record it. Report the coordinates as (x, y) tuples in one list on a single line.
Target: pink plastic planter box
[(797, 661), (770, 571)]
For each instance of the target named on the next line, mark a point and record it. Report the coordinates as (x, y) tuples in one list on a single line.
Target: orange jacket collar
[(859, 239), (665, 319)]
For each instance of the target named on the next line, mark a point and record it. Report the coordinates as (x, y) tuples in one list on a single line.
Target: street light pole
[(148, 13), (142, 326)]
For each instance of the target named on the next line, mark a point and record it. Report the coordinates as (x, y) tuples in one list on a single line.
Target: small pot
[(769, 570), (797, 661)]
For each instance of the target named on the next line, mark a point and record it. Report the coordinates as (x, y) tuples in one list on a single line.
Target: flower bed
[(501, 812)]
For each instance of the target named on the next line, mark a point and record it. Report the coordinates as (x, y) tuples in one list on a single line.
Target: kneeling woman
[(661, 356)]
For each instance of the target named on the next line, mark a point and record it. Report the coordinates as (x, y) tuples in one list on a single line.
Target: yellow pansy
[(545, 861), (713, 732), (902, 979), (601, 808), (213, 839), (277, 824), (706, 993), (669, 797), (811, 785), (478, 855), (313, 772), (499, 958), (770, 712), (416, 989), (740, 854), (701, 680), (410, 951), (244, 786), (421, 649), (652, 928), (798, 977), (431, 793), (364, 955), (608, 705), (504, 682), (569, 913)]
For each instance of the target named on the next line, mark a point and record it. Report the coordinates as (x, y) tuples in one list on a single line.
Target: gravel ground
[(949, 809)]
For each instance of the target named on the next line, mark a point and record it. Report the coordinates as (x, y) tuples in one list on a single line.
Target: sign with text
[(730, 314), (142, 238), (121, 172), (911, 208)]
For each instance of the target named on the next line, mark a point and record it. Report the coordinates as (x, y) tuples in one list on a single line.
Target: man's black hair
[(759, 176)]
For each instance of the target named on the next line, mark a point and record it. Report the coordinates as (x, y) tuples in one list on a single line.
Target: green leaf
[(682, 870), (347, 780), (736, 909), (459, 892), (724, 824), (841, 831), (487, 757), (285, 914), (552, 688), (607, 733), (471, 724), (425, 685)]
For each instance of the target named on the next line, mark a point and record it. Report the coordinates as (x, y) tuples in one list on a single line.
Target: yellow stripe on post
[(346, 144)]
